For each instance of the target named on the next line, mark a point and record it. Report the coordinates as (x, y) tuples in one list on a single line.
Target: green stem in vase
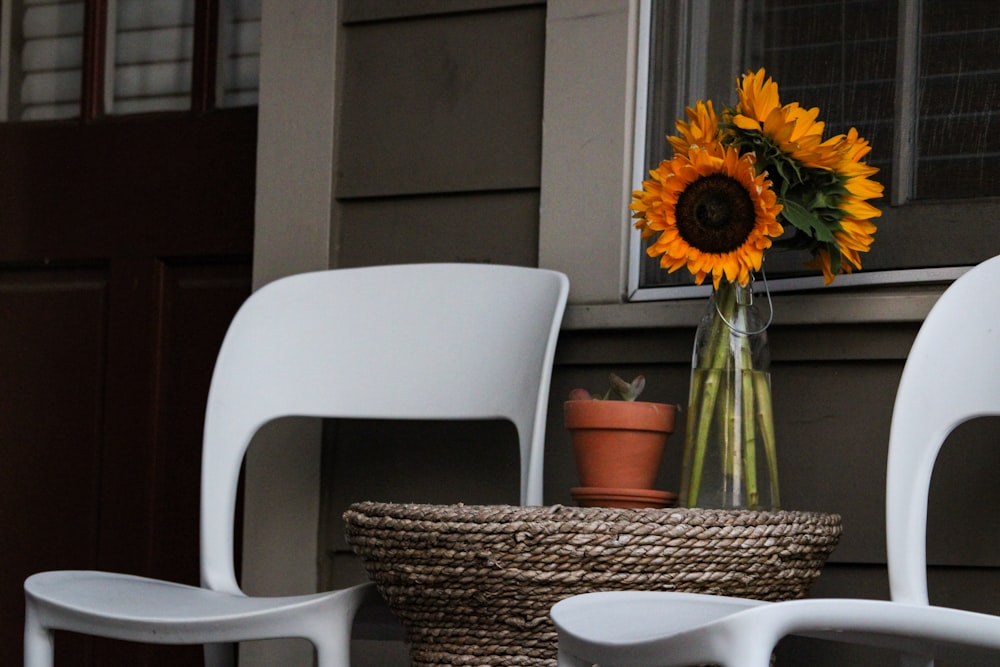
[(749, 441), (694, 459), (730, 435), (744, 376), (765, 417), (730, 411), (702, 404), (705, 391)]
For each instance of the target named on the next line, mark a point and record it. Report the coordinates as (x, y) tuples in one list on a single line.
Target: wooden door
[(125, 248)]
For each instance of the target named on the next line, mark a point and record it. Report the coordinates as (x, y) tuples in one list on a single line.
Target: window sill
[(873, 306)]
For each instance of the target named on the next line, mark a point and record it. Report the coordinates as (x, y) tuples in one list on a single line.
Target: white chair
[(952, 374), (352, 343)]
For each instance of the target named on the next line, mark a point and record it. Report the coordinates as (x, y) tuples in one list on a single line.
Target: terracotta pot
[(618, 444)]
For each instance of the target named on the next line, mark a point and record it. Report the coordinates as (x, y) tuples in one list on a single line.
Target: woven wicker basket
[(473, 584)]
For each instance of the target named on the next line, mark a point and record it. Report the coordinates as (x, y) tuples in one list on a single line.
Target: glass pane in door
[(43, 76), (153, 52), (239, 50)]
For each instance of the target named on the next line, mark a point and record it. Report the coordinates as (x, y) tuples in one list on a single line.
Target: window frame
[(588, 148), (98, 61), (904, 262)]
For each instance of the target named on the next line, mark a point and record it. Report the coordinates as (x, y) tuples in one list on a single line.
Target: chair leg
[(333, 647), (751, 652), (220, 655), (916, 660), (567, 660), (39, 642)]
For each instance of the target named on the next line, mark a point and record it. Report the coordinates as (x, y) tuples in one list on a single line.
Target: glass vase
[(730, 461)]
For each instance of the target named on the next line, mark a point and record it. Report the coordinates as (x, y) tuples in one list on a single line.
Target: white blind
[(153, 47), (51, 57), (239, 50), (149, 61)]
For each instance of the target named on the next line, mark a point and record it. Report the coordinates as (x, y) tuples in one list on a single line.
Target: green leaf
[(835, 258), (628, 391), (806, 221)]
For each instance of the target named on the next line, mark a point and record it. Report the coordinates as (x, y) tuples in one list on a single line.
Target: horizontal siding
[(444, 104), (491, 228), (359, 11)]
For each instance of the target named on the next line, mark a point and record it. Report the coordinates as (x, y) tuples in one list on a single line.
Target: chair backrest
[(420, 341), (952, 374)]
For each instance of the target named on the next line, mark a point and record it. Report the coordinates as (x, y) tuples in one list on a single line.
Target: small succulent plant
[(617, 389)]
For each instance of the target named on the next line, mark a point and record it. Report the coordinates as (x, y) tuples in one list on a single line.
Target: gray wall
[(440, 136), (438, 146)]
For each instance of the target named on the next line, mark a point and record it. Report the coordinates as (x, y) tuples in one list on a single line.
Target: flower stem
[(701, 407), (705, 391), (749, 440), (765, 418), (729, 411), (744, 371)]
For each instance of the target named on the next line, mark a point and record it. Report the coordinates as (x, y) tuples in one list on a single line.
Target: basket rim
[(463, 513)]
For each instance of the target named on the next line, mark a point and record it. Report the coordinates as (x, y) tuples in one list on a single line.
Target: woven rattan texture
[(473, 584)]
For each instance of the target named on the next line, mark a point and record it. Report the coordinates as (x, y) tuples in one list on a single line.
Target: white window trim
[(591, 49), (592, 66)]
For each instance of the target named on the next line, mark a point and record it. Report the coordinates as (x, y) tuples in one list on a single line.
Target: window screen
[(958, 134), (919, 78), (841, 55)]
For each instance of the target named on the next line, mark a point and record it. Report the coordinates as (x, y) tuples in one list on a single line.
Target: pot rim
[(634, 415)]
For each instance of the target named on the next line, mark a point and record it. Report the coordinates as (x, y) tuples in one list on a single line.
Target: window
[(73, 58), (153, 55), (919, 78), (239, 60), (48, 61)]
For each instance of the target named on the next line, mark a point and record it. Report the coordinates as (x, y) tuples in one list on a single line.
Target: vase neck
[(741, 295), (730, 298)]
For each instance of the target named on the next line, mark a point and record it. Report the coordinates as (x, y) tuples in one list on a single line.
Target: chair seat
[(637, 616), (142, 608), (664, 629)]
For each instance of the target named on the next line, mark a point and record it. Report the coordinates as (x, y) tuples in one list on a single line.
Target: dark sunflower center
[(715, 214)]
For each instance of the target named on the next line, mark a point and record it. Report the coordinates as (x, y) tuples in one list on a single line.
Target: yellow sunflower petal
[(758, 95), (658, 207), (701, 130)]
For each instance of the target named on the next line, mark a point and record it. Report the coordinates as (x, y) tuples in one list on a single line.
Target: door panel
[(50, 420), (171, 186), (125, 250)]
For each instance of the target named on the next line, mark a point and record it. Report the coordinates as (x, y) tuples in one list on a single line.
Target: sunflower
[(791, 129), (710, 212), (702, 130), (855, 233), (738, 179)]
